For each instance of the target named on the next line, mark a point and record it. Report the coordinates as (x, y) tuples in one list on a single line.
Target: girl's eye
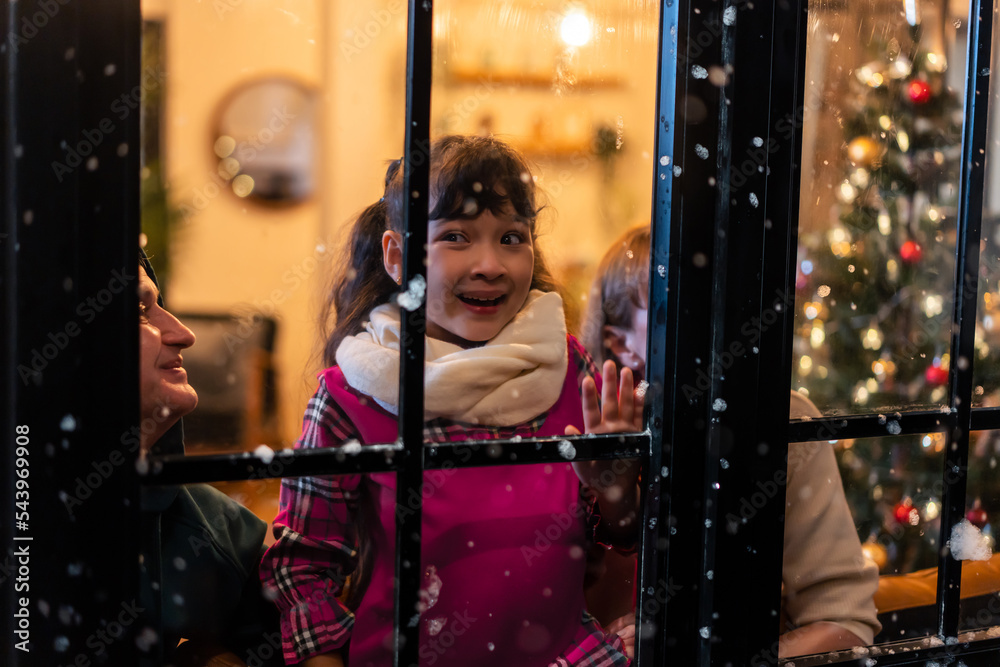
[(451, 237), (512, 238)]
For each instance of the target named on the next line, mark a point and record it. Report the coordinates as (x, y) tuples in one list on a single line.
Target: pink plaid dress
[(503, 551)]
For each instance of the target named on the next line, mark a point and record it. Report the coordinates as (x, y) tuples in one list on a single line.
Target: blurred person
[(827, 584)]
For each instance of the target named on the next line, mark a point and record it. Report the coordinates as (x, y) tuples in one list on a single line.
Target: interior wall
[(231, 254)]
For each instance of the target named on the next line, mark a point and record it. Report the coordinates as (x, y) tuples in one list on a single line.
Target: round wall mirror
[(265, 138)]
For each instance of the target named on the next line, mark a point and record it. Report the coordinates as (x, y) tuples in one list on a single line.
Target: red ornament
[(919, 91), (936, 376), (911, 252), (977, 517), (906, 514)]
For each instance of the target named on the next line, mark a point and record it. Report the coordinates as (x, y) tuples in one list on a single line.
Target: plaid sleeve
[(303, 572), (593, 648)]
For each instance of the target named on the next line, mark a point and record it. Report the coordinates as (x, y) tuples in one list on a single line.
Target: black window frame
[(718, 261)]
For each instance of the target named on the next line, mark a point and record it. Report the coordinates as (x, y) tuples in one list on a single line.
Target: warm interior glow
[(575, 28)]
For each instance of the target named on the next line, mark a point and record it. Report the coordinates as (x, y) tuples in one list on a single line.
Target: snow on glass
[(431, 590), (414, 295), (567, 450), (968, 542), (264, 453)]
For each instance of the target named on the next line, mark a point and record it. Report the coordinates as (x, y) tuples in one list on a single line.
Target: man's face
[(164, 393)]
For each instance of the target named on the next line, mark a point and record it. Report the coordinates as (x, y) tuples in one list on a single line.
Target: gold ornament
[(863, 152), (876, 553)]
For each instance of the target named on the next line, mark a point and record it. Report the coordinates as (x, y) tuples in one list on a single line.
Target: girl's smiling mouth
[(482, 301)]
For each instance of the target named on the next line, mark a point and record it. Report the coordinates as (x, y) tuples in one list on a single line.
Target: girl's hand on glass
[(618, 411)]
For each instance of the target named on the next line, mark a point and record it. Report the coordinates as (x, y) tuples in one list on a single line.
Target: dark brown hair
[(619, 288), (469, 175)]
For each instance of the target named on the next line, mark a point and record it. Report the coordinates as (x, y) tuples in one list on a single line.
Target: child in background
[(828, 585), (502, 547)]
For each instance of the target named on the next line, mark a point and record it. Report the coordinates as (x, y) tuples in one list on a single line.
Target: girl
[(828, 585), (614, 327), (503, 548)]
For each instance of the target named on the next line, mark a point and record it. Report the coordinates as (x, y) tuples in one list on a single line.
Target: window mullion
[(685, 251), (971, 180), (416, 167)]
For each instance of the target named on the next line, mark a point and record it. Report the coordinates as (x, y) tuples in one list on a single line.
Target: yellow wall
[(230, 254)]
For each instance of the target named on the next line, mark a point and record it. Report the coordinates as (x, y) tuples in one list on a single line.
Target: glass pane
[(881, 152), (974, 540), (879, 549), (232, 155), (200, 567), (278, 120), (981, 572), (258, 154), (985, 369), (572, 87)]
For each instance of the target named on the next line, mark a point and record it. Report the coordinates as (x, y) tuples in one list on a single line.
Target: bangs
[(480, 174)]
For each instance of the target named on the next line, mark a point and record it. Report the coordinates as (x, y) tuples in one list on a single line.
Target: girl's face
[(628, 344), (479, 273)]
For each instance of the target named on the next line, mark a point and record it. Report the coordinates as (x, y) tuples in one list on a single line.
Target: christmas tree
[(874, 297), (877, 284)]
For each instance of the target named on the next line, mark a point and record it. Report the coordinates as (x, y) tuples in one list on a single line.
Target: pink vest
[(503, 551)]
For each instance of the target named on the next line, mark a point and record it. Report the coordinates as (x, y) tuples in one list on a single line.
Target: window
[(728, 320)]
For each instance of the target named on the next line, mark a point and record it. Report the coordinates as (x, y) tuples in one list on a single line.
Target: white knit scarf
[(512, 378)]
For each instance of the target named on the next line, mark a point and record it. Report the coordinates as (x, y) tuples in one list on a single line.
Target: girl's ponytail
[(361, 282)]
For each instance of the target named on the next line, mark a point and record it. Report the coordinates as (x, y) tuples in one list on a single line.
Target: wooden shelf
[(468, 76)]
